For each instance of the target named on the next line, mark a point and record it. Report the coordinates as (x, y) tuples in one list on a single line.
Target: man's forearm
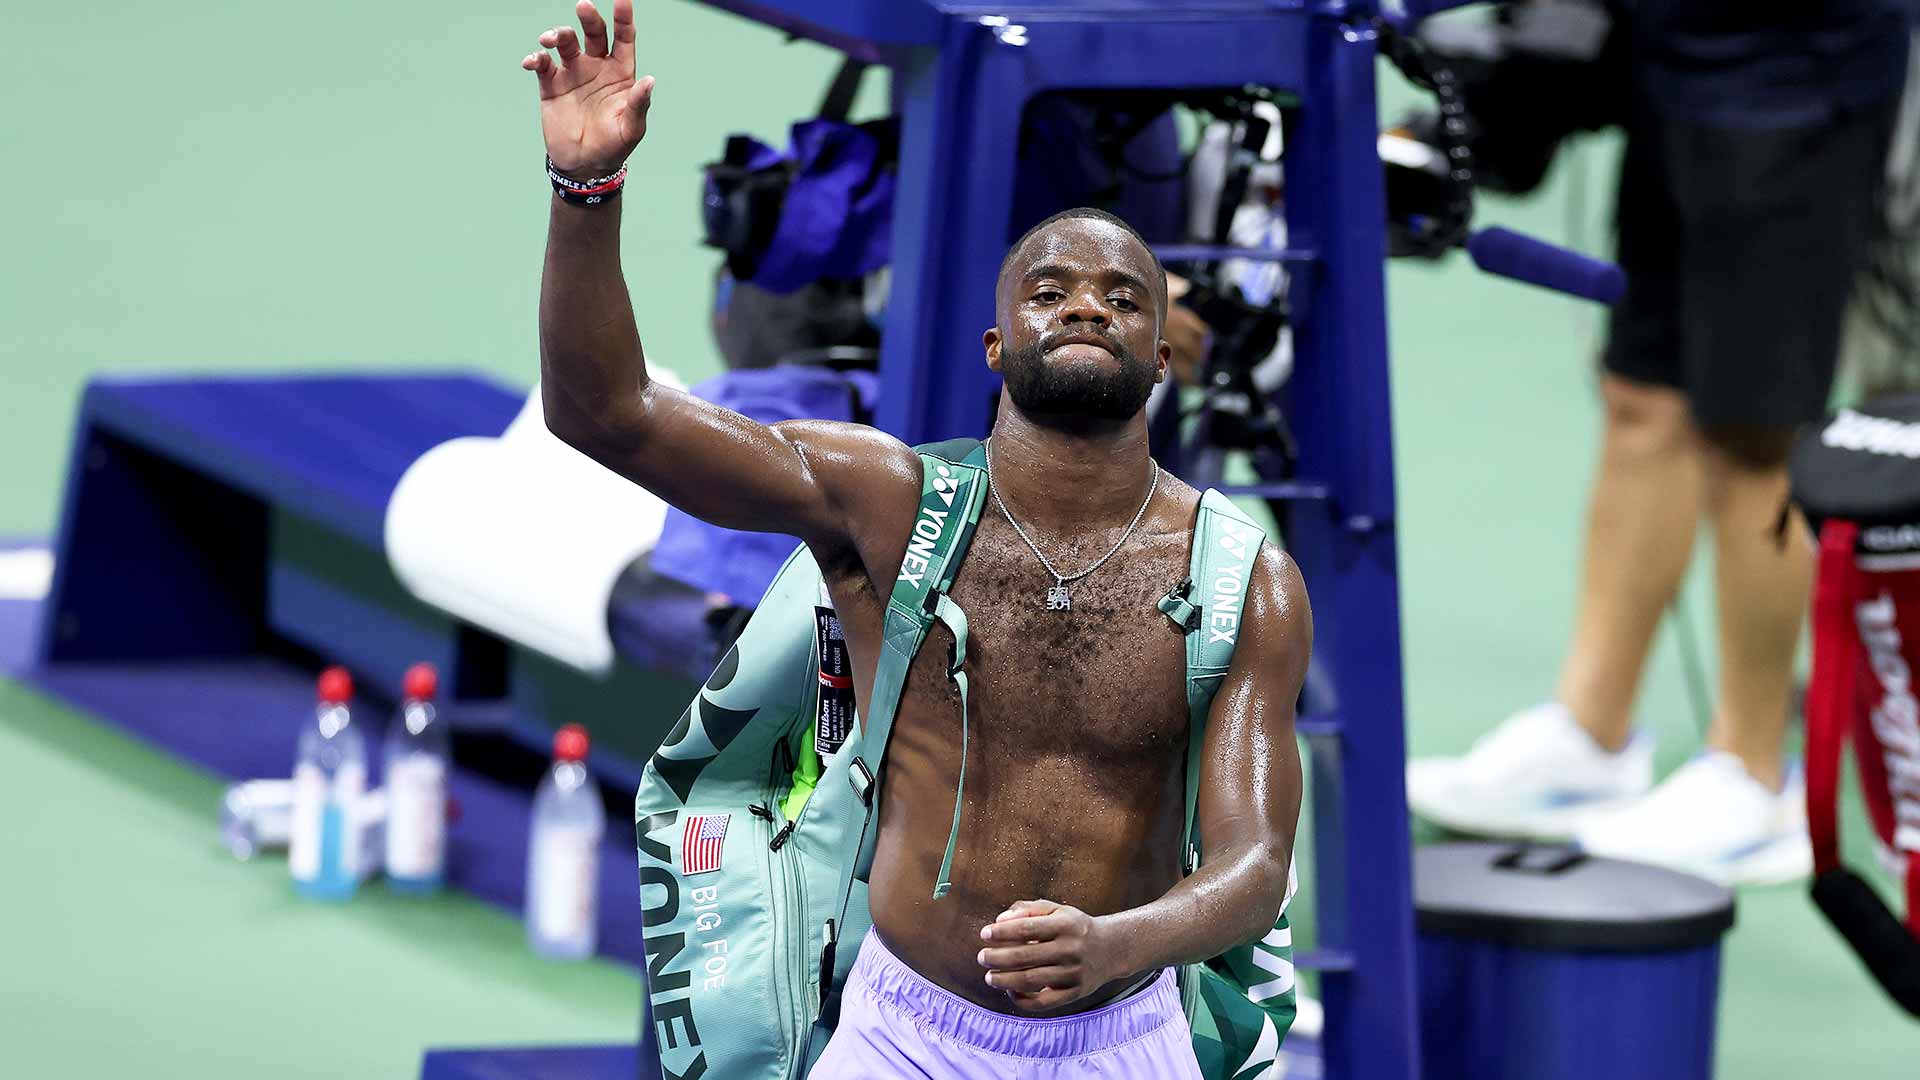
[(1231, 899), (591, 366)]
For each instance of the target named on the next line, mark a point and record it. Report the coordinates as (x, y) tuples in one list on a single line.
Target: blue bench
[(182, 490), (210, 517), (185, 498)]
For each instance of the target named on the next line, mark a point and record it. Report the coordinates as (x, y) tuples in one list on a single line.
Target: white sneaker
[(1536, 777), (1713, 819)]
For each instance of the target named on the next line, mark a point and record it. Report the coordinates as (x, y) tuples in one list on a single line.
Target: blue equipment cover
[(738, 564)]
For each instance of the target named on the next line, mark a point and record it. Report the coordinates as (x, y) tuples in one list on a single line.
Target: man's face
[(1079, 333)]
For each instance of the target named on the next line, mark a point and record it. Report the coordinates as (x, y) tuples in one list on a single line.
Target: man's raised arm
[(713, 463)]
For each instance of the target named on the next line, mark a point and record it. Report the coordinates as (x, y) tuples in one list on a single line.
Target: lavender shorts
[(893, 1023)]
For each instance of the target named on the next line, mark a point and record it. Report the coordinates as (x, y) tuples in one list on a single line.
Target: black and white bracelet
[(585, 192)]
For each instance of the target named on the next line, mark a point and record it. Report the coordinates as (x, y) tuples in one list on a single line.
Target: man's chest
[(1104, 678)]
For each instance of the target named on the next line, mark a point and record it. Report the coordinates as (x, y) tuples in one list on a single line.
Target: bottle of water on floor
[(329, 780), (563, 853), (417, 755)]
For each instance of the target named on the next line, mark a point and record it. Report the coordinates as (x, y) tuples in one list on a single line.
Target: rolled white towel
[(522, 536)]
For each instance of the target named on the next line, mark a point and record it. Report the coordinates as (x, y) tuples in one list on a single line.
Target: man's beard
[(1077, 390)]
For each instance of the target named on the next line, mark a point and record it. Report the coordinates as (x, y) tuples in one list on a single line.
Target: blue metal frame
[(961, 90), (167, 535)]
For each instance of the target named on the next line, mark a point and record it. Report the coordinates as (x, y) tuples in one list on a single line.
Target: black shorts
[(1740, 248)]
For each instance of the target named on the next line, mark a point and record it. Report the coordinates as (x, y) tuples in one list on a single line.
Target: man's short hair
[(1159, 279)]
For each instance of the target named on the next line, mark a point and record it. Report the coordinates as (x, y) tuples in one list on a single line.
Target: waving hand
[(592, 110)]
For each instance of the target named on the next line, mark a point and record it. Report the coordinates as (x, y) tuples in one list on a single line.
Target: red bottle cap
[(422, 682), (336, 686), (570, 743)]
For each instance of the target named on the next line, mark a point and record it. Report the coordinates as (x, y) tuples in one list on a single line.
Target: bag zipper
[(797, 1010)]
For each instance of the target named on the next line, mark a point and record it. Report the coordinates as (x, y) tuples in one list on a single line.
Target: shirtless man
[(1067, 897)]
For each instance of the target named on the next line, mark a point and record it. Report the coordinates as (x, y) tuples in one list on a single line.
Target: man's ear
[(991, 339), (1163, 352)]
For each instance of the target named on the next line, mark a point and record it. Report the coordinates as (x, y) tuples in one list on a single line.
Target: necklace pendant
[(1058, 599)]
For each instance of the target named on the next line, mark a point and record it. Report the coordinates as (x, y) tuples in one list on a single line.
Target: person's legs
[(1774, 225), (1640, 527), (1646, 498), (1761, 582), (1542, 770), (1777, 226), (1731, 813)]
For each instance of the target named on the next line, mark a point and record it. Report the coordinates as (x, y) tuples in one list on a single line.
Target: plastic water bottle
[(563, 853), (416, 759), (329, 781)]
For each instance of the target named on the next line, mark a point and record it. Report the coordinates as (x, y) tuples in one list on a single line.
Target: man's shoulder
[(1277, 605), (872, 479)]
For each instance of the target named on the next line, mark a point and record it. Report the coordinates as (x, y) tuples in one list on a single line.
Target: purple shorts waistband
[(1114, 1024)]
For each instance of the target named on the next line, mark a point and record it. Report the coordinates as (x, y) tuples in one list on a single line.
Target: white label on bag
[(566, 863), (416, 816)]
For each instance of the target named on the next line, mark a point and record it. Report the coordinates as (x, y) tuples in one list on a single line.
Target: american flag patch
[(700, 845)]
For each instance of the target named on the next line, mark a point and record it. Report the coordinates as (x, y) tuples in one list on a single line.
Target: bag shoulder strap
[(969, 452), (1207, 605), (953, 491)]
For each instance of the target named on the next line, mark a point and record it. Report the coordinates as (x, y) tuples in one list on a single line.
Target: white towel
[(522, 536)]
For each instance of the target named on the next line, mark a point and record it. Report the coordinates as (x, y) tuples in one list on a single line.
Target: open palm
[(592, 110)]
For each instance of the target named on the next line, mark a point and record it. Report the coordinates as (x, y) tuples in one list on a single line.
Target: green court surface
[(219, 186)]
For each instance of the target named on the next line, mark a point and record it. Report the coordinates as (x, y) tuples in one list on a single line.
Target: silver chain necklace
[(1058, 597)]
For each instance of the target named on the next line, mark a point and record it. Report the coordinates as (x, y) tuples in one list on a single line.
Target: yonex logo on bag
[(1278, 968), (669, 984), (926, 535), (928, 528), (944, 485), (1872, 434), (1229, 587)]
